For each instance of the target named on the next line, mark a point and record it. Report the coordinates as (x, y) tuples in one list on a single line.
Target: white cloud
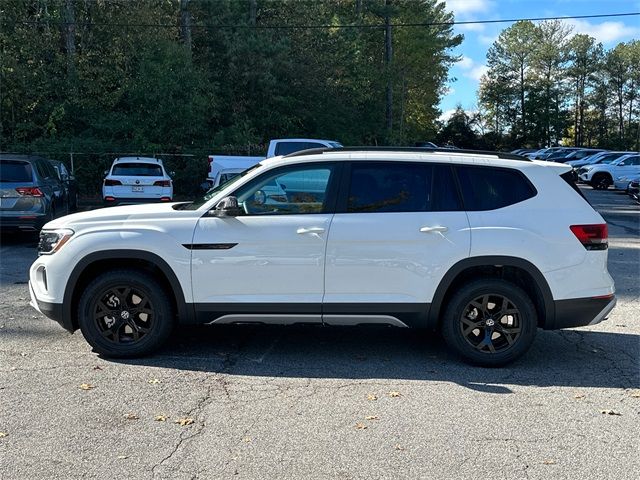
[(465, 63), (477, 72), (487, 39), (466, 7), (472, 69), (605, 32), (446, 115)]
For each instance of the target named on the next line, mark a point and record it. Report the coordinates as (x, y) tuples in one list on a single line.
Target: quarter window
[(489, 188), (288, 191), (401, 187)]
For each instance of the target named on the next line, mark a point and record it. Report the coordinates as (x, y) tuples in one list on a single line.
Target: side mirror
[(105, 173), (172, 174), (227, 207)]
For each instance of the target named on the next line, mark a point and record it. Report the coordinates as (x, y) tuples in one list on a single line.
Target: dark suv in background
[(31, 193)]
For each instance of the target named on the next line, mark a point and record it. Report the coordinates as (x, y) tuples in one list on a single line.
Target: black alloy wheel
[(489, 322), (600, 181), (125, 313)]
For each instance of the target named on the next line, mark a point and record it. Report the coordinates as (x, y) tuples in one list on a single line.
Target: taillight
[(162, 183), (30, 191), (592, 237), (110, 183)]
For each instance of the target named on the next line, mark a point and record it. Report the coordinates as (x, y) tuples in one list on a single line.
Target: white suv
[(132, 180), (469, 243), (601, 176)]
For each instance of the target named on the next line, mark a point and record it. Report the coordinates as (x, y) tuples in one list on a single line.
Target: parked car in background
[(31, 194), (523, 151), (634, 189), (606, 159), (283, 146), (587, 159), (132, 180), (70, 183), (600, 177), (559, 155), (579, 154)]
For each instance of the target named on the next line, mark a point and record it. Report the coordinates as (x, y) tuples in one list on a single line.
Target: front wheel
[(490, 322), (601, 181), (125, 313)]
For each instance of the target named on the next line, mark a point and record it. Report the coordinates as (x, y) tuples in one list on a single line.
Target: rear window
[(137, 169), (489, 188), (285, 148), (15, 171)]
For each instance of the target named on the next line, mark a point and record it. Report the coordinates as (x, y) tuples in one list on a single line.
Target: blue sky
[(478, 38)]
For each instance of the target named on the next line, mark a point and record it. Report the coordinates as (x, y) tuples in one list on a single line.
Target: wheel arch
[(520, 271), (88, 266)]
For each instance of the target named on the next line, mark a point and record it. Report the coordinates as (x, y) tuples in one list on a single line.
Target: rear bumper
[(26, 222), (53, 311), (134, 201), (579, 312)]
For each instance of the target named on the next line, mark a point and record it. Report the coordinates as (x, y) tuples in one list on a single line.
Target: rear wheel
[(601, 181), (125, 313), (490, 322)]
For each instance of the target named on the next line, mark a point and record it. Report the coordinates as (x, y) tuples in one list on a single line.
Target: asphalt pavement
[(312, 402)]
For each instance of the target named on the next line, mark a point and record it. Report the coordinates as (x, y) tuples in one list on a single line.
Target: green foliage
[(105, 77)]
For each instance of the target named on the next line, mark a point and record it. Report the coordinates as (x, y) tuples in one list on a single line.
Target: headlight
[(52, 240)]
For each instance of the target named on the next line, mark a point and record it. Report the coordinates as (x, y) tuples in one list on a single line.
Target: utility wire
[(321, 26)]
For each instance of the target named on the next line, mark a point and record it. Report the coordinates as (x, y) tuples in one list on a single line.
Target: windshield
[(137, 170), (212, 192)]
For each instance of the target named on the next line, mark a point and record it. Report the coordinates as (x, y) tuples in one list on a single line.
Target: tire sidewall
[(460, 300), (162, 323)]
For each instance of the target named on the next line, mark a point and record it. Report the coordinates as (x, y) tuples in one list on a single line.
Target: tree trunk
[(575, 115), (185, 24), (69, 32), (388, 57), (253, 12)]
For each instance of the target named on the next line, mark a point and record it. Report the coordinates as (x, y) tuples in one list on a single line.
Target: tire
[(125, 313), (509, 335), (601, 181)]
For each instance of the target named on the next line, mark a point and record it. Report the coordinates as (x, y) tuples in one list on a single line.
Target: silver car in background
[(31, 194)]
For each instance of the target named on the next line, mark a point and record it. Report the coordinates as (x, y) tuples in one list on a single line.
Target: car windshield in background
[(213, 191), (137, 170), (15, 171)]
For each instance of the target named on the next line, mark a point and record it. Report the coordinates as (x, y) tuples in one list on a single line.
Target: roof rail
[(316, 151)]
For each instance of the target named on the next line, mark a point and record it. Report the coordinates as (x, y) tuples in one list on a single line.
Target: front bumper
[(134, 201), (53, 311), (580, 312)]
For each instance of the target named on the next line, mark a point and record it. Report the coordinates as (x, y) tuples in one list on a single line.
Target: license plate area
[(137, 189)]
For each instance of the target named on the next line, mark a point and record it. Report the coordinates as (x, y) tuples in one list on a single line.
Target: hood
[(107, 215)]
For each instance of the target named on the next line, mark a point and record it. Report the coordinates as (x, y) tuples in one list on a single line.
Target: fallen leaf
[(371, 397), (621, 325), (122, 457), (635, 394), (97, 367), (246, 440), (399, 447), (131, 416), (86, 386), (610, 412), (184, 421), (154, 381), (394, 394), (3, 434), (360, 426), (23, 354), (160, 418), (579, 395), (549, 462), (372, 417)]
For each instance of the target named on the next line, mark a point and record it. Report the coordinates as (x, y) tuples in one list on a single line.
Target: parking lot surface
[(305, 402)]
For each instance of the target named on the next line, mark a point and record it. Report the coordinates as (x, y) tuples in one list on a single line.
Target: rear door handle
[(436, 229), (302, 230)]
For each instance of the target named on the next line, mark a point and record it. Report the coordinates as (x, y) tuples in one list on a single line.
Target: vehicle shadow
[(573, 358)]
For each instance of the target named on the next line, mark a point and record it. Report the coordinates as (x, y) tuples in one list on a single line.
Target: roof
[(447, 151)]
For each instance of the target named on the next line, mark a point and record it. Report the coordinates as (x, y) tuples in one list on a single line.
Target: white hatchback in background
[(132, 180)]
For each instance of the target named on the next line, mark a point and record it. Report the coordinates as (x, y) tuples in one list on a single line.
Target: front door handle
[(436, 229), (302, 230)]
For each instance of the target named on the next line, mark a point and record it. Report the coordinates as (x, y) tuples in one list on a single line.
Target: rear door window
[(490, 188), (137, 170), (401, 187), (14, 171)]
